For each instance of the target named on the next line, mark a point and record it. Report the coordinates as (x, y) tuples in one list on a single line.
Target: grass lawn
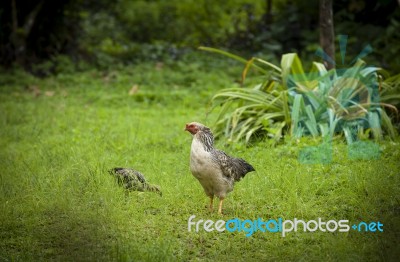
[(60, 135)]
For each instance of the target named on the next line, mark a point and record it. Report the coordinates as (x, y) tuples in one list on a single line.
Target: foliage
[(104, 33), (391, 90), (290, 101), (257, 109), (137, 31), (381, 29), (339, 101), (53, 30)]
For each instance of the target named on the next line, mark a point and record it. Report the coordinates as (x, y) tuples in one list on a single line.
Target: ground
[(60, 135)]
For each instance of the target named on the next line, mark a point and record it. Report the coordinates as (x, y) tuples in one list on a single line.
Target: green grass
[(59, 203)]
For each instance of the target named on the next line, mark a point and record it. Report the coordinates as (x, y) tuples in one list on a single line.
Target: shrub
[(292, 102)]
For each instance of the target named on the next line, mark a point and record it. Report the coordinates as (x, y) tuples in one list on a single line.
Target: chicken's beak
[(186, 128)]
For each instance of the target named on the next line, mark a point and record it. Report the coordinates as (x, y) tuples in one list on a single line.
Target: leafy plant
[(290, 101), (391, 91), (339, 101), (245, 111)]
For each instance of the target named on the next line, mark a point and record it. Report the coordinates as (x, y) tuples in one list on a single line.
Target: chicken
[(133, 180), (216, 171)]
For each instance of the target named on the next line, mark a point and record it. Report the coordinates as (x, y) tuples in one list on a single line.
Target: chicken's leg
[(211, 202), (221, 200)]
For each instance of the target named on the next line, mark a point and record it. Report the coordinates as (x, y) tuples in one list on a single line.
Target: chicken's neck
[(206, 139)]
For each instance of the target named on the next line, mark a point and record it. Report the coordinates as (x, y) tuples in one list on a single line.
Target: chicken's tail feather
[(242, 168), (248, 167)]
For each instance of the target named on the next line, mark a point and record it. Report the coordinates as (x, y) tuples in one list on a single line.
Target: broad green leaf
[(296, 113), (387, 123), (375, 125), (291, 65), (312, 123)]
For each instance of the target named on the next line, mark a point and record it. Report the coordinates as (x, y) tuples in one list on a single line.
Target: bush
[(320, 103)]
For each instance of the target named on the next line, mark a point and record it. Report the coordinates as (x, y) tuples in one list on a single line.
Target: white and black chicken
[(216, 171)]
